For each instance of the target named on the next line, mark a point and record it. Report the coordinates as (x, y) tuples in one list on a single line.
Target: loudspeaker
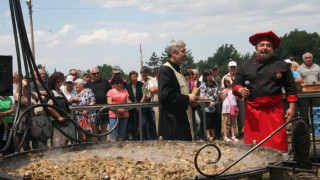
[(6, 76)]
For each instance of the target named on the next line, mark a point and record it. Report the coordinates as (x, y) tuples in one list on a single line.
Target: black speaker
[(6, 81)]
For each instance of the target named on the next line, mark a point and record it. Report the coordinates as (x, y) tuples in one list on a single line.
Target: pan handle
[(252, 149)]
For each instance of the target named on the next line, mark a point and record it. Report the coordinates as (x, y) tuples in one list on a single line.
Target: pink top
[(118, 98)]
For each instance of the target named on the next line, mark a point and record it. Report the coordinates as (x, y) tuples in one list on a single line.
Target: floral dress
[(226, 106), (85, 99)]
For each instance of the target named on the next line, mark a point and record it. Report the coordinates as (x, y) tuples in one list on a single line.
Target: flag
[(141, 57)]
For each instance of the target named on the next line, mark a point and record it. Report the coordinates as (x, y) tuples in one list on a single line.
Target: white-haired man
[(175, 121)]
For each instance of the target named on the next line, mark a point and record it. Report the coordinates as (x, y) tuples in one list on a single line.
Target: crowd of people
[(254, 88)]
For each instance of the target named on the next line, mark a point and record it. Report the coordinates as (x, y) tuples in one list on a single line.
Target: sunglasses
[(94, 74), (58, 81)]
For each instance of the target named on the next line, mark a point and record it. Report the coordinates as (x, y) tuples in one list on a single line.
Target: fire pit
[(140, 160)]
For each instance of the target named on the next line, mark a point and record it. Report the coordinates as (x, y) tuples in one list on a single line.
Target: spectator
[(22, 124), (217, 113), (118, 95), (196, 111), (294, 66), (137, 93), (14, 88), (229, 100), (6, 121), (54, 84), (39, 85), (84, 97), (211, 93), (68, 90), (116, 71), (153, 89), (149, 129), (310, 72), (232, 67), (74, 74), (100, 88), (86, 78)]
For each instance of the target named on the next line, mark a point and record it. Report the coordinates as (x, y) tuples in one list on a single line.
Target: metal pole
[(29, 3)]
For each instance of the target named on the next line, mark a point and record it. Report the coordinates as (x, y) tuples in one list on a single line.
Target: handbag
[(234, 110), (41, 127), (38, 110), (85, 123)]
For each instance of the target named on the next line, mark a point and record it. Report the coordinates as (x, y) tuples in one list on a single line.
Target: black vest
[(138, 92)]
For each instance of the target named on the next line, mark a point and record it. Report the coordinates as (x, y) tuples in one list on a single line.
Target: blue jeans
[(120, 130)]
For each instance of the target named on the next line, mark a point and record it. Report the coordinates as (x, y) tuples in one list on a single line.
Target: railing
[(134, 105)]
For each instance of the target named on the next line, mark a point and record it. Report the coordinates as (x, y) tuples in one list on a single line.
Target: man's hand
[(244, 92), (192, 98), (290, 112), (61, 119)]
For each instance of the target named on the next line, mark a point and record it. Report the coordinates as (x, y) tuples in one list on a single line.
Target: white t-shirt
[(153, 82), (68, 95)]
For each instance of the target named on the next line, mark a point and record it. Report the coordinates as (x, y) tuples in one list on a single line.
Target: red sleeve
[(292, 98), (235, 90)]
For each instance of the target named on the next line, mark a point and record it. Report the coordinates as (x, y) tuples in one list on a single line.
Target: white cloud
[(114, 36)]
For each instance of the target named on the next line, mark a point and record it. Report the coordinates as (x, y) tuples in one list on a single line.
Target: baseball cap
[(116, 69), (214, 67), (69, 78), (232, 63), (288, 61)]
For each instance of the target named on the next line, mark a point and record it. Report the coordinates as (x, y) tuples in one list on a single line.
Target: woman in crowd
[(118, 95), (229, 100), (137, 93), (84, 97), (212, 94), (54, 84), (6, 121), (22, 125)]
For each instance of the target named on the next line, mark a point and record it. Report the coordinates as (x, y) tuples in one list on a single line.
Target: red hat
[(265, 36)]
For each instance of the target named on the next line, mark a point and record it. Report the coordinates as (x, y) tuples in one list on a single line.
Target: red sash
[(262, 117)]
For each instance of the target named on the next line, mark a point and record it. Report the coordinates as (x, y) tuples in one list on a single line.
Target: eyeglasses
[(94, 74), (58, 81)]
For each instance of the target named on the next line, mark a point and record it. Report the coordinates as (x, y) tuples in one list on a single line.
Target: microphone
[(247, 84)]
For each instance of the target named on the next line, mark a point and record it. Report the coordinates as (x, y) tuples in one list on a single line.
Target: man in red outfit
[(260, 80)]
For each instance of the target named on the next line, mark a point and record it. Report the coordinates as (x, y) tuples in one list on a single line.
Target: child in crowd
[(229, 100)]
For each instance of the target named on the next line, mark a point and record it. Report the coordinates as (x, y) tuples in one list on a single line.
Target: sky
[(82, 34)]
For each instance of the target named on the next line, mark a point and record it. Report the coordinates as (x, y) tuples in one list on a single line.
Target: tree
[(189, 62), (106, 72), (297, 43), (154, 61), (163, 58)]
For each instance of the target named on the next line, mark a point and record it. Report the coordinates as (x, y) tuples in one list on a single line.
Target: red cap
[(265, 36)]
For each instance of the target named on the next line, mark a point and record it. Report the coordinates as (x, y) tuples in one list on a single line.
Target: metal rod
[(256, 146)]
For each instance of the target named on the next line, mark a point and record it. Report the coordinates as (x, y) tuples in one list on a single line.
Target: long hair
[(206, 73), (53, 79)]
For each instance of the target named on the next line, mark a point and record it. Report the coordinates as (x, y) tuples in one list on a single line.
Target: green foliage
[(189, 62), (297, 43), (106, 72), (154, 61), (221, 58)]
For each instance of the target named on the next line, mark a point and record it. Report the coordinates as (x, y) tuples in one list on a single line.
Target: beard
[(264, 55), (180, 59)]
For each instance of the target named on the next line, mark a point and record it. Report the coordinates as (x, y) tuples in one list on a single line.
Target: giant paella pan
[(138, 160)]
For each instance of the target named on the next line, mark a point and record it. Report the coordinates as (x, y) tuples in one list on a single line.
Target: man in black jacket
[(175, 121)]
